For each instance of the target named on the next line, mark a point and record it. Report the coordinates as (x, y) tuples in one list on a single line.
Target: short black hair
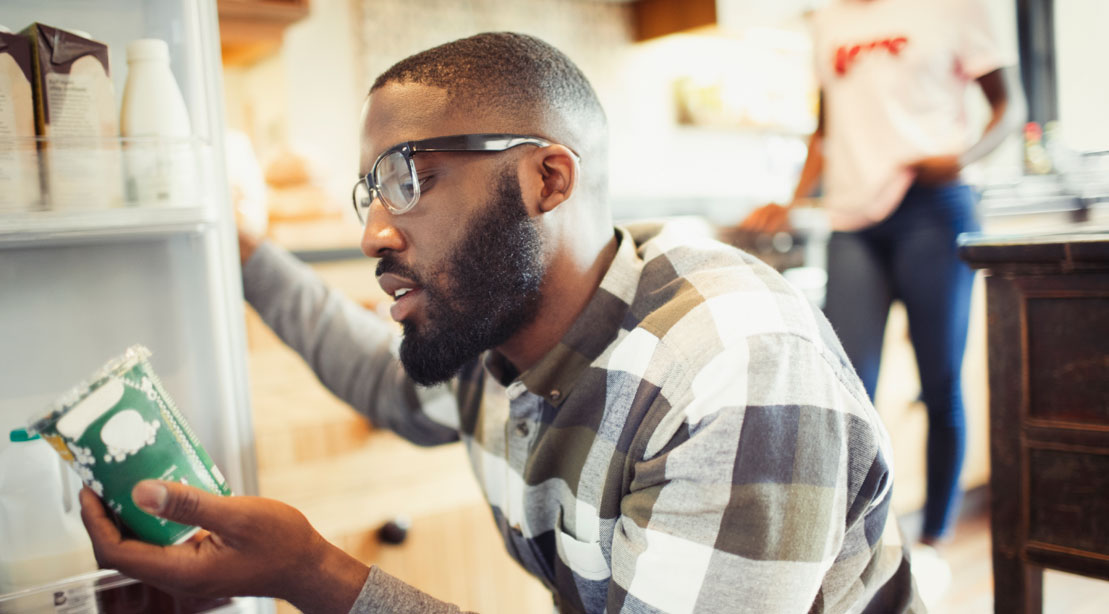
[(514, 72)]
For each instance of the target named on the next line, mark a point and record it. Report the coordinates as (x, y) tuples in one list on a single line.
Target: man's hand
[(248, 546), (937, 170), (247, 244), (768, 219), (248, 238)]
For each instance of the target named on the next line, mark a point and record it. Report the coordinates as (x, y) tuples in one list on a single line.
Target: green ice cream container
[(120, 427)]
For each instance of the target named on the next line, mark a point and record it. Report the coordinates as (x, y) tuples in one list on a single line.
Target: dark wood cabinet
[(654, 18), (1048, 336)]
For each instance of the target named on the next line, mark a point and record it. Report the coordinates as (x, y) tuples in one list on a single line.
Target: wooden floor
[(972, 587)]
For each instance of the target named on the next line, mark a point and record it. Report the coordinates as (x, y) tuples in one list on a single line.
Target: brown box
[(75, 112), (19, 171)]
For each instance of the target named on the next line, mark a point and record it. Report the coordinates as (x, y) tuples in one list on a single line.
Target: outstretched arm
[(349, 348), (774, 217)]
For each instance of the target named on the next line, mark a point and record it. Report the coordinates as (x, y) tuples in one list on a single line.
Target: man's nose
[(381, 234)]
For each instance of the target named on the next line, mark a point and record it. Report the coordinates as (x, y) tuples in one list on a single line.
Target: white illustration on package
[(83, 461), (147, 387), (126, 433)]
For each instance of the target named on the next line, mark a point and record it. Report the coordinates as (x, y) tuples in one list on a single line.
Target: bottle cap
[(18, 435), (147, 49)]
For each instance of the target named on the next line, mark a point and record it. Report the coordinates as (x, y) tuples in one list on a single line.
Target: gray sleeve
[(384, 594), (349, 348)]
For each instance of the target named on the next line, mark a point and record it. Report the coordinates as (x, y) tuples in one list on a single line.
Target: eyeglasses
[(393, 176)]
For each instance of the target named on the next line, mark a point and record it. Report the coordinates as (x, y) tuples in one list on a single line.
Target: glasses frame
[(474, 143)]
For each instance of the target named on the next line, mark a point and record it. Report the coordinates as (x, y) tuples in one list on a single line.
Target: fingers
[(183, 504), (111, 550), (187, 568), (766, 219), (248, 242), (755, 221), (752, 222), (101, 528)]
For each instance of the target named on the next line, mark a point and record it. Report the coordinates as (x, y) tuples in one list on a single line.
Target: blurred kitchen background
[(709, 105)]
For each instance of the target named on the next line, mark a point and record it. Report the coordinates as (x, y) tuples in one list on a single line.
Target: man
[(659, 425)]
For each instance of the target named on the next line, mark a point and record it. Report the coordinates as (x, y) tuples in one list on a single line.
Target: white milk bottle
[(42, 539), (154, 123)]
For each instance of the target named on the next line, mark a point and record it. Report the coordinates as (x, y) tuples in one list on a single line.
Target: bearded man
[(659, 423)]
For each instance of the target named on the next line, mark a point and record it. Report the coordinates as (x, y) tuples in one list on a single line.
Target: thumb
[(179, 503)]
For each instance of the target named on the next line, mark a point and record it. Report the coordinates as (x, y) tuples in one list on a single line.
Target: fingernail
[(150, 496)]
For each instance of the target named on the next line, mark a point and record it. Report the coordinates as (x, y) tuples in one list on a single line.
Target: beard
[(492, 289)]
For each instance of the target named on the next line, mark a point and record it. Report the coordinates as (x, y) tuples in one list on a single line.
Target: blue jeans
[(911, 256)]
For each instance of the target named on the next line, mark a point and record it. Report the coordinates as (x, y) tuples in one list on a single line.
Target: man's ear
[(557, 167)]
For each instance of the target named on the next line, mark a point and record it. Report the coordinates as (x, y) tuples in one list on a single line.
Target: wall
[(308, 98), (657, 166), (1081, 48)]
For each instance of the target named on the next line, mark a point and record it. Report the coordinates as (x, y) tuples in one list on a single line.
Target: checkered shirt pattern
[(696, 442)]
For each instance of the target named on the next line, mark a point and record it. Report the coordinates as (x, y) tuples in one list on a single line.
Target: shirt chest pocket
[(584, 557)]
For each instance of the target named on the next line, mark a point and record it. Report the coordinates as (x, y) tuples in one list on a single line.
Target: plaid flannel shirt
[(696, 442)]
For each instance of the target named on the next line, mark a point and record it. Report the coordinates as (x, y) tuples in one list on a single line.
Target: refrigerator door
[(78, 286)]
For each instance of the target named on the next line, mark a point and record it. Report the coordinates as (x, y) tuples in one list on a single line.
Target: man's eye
[(426, 181)]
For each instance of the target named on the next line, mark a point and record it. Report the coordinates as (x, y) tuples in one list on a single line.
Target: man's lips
[(404, 291)]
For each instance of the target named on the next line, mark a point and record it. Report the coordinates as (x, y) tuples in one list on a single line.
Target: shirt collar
[(555, 375)]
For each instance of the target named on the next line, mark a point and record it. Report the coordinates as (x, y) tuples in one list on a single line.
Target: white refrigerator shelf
[(60, 227), (113, 592)]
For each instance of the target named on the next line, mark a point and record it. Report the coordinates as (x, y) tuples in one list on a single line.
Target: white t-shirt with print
[(894, 75)]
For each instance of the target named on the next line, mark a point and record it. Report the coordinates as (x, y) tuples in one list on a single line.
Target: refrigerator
[(80, 284)]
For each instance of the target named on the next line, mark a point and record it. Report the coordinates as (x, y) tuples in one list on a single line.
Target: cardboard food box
[(75, 112), (19, 169)]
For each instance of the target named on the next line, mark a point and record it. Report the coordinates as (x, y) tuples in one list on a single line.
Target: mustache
[(389, 264)]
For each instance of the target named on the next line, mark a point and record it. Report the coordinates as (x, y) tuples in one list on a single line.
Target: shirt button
[(522, 429), (556, 394), (515, 389)]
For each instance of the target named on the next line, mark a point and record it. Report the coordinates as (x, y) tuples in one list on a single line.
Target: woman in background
[(890, 144)]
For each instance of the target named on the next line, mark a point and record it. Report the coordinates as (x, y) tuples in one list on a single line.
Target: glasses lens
[(362, 200), (395, 180)]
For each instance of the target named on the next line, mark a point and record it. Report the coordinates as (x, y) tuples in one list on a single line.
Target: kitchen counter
[(1077, 247), (1048, 350)]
